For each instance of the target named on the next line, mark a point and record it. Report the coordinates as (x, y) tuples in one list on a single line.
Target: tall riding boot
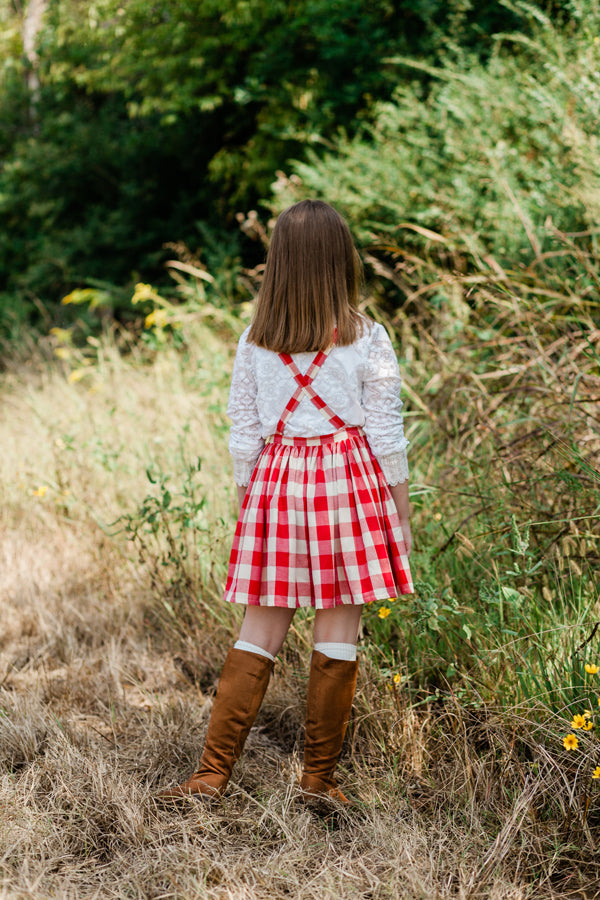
[(331, 687), (242, 686)]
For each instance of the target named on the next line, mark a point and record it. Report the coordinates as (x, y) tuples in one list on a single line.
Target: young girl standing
[(320, 466)]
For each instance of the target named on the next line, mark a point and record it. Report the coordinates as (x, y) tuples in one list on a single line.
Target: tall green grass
[(123, 639), (475, 203), (501, 409)]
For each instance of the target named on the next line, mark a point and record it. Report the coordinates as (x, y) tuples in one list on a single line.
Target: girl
[(320, 463)]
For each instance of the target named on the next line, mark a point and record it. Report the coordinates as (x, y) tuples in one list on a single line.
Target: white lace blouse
[(360, 382)]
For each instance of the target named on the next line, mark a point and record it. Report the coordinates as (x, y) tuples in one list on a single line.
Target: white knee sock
[(252, 648), (337, 651)]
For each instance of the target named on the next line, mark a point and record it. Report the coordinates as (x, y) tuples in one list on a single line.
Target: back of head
[(311, 282)]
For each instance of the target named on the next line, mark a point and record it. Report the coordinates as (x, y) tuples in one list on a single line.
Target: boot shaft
[(331, 687), (240, 692)]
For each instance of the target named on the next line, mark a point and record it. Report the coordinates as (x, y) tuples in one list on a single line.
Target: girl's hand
[(407, 535), (241, 492)]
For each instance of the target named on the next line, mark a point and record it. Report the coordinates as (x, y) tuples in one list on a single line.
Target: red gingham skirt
[(318, 527)]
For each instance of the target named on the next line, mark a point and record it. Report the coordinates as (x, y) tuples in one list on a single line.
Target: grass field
[(113, 542)]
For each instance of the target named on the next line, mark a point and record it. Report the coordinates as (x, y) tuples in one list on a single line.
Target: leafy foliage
[(157, 122), (176, 540), (475, 198), (491, 158)]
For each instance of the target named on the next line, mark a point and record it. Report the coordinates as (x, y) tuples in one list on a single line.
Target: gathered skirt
[(318, 527)]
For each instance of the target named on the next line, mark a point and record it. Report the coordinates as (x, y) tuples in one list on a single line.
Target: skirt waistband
[(333, 438)]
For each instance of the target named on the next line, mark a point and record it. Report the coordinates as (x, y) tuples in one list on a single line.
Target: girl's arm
[(383, 422), (241, 492), (245, 440), (399, 494), (382, 407)]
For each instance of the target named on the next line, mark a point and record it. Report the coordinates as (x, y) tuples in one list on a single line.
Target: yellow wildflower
[(145, 292), (570, 742), (438, 517), (91, 296), (588, 726), (578, 722), (142, 292), (596, 772), (158, 318), (62, 334), (41, 491), (397, 678), (592, 669), (76, 375), (587, 714), (384, 613), (62, 352)]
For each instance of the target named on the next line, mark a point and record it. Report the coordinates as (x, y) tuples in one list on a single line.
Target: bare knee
[(266, 627), (338, 625)]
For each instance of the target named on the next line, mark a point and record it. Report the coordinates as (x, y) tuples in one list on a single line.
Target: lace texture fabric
[(360, 382), (394, 467)]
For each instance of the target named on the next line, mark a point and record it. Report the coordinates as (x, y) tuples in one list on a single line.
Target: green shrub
[(158, 122), (490, 158)]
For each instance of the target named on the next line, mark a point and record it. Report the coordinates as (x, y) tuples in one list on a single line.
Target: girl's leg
[(265, 627), (331, 686), (338, 625)]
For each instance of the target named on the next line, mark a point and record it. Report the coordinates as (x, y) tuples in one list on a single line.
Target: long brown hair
[(311, 282)]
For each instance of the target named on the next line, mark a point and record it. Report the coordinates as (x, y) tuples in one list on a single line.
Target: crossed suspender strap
[(305, 389)]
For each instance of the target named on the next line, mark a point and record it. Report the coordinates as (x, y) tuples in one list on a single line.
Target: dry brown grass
[(100, 705)]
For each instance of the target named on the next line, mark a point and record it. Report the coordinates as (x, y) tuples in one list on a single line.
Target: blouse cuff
[(394, 467), (242, 471)]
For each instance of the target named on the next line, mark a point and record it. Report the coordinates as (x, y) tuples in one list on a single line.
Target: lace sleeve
[(382, 407), (394, 467), (245, 440)]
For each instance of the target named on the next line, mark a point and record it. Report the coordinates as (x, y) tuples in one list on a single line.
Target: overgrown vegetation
[(477, 204), (134, 125), (466, 692), (474, 750)]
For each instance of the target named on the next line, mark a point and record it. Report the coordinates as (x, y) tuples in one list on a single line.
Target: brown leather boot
[(331, 687), (242, 686)]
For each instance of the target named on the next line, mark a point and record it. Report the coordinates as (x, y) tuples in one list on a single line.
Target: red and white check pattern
[(318, 527)]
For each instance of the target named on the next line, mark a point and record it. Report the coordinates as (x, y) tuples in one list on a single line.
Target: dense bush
[(476, 202), (158, 122), (152, 119), (494, 157)]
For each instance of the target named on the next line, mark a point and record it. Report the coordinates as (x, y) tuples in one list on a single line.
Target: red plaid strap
[(305, 388)]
